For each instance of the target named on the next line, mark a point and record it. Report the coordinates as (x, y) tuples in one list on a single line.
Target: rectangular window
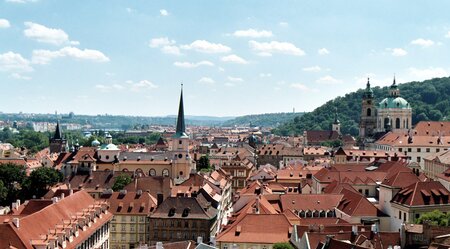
[(122, 228), (428, 149), (399, 215), (409, 149), (366, 192), (437, 150), (419, 150), (400, 149), (418, 159)]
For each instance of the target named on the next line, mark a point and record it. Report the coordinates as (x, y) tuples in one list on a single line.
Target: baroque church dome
[(398, 102)]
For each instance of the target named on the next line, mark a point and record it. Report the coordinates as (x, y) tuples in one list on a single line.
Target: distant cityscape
[(179, 186)]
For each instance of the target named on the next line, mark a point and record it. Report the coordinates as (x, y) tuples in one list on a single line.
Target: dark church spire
[(58, 134), (181, 126)]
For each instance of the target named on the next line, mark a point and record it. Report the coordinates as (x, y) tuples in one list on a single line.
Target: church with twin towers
[(393, 113)]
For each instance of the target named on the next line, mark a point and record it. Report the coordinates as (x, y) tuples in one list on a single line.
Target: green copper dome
[(397, 102)]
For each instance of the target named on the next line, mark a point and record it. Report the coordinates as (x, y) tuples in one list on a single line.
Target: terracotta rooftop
[(254, 228), (423, 193)]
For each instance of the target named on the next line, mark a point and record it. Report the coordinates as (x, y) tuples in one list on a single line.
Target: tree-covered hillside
[(264, 120), (429, 100)]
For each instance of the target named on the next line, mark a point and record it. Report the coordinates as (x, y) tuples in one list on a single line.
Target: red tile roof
[(255, 228), (423, 193)]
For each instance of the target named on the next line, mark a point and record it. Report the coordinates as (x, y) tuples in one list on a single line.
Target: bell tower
[(336, 126), (368, 121), (57, 142), (180, 146)]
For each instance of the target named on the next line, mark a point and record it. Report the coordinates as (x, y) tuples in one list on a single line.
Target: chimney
[(355, 229), (199, 240), (159, 198), (139, 192), (71, 192), (18, 203), (159, 245), (55, 200), (62, 196), (16, 222), (257, 205)]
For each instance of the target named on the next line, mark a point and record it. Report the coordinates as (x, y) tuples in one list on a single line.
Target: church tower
[(336, 126), (368, 121), (180, 147), (57, 142)]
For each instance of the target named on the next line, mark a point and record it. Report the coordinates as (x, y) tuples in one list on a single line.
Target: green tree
[(203, 163), (3, 192), (282, 245), (42, 179), (13, 177), (121, 182), (435, 217)]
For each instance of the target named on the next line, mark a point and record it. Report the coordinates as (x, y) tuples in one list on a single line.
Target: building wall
[(128, 231), (99, 239), (167, 229)]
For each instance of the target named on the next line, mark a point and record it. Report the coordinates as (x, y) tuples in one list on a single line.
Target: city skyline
[(130, 58)]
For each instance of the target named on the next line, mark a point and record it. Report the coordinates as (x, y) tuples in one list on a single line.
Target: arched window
[(386, 122), (165, 172), (397, 123), (152, 172), (369, 112)]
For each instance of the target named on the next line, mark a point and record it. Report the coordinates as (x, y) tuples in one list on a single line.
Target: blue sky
[(233, 57)]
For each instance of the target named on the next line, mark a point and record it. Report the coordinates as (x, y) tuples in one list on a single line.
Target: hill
[(429, 100), (264, 120)]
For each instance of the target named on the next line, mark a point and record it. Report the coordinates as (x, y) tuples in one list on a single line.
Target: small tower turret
[(336, 126)]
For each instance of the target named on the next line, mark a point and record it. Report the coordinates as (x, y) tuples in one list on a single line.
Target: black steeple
[(58, 134), (181, 126), (336, 120)]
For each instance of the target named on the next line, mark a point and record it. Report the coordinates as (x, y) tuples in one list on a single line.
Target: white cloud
[(4, 24), (18, 76), (206, 80), (186, 64), (323, 51), (44, 34), (234, 59), (11, 61), (253, 33), (128, 85), (283, 24), (235, 79), (427, 73), (448, 34), (206, 47), (141, 85), (45, 56), (300, 86), (265, 75), (398, 52), (171, 50), (163, 12), (328, 80), (166, 45), (268, 48), (314, 69), (130, 10), (74, 43), (422, 42), (229, 84), (160, 41)]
